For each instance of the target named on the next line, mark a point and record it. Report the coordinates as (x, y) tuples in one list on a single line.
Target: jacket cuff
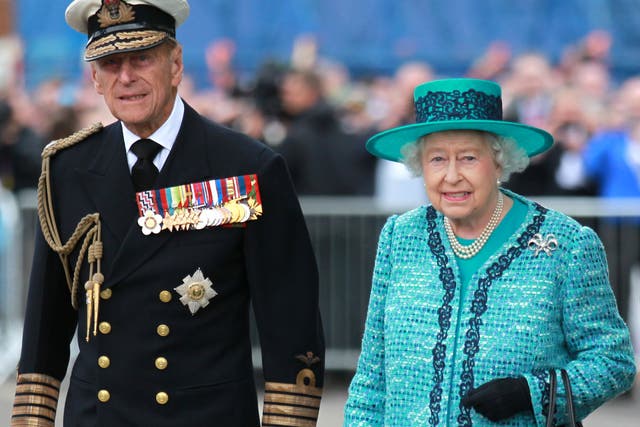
[(35, 401), (295, 405)]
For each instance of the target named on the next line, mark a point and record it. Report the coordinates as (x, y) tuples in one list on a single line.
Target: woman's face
[(460, 175)]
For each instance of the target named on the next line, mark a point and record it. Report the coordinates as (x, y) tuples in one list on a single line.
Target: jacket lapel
[(186, 163), (108, 184)]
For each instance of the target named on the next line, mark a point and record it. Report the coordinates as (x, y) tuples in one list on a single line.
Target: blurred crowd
[(319, 116)]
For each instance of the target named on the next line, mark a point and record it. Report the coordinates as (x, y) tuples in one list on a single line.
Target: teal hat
[(457, 104)]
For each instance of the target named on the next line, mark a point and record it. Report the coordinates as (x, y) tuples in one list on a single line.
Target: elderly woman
[(480, 296)]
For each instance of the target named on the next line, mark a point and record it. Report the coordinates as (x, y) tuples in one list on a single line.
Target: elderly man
[(158, 232)]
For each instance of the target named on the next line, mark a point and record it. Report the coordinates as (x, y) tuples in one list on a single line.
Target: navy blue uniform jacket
[(207, 375)]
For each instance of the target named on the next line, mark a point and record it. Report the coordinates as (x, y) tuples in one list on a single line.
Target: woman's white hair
[(506, 153)]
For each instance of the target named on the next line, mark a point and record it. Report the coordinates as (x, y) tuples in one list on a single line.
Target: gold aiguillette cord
[(89, 227), (92, 287)]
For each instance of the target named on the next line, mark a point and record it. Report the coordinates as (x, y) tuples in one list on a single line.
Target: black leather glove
[(500, 399)]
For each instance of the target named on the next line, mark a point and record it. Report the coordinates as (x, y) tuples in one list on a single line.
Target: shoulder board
[(60, 144)]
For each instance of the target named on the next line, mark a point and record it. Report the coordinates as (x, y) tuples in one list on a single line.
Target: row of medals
[(193, 218)]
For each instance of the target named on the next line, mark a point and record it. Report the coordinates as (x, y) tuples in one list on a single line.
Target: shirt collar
[(165, 135)]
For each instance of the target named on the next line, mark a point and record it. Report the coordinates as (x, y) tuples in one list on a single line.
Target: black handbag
[(571, 411)]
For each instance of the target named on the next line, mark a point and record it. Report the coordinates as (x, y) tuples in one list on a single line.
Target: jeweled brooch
[(546, 244)]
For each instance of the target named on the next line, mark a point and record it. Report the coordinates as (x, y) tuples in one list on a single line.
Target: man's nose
[(126, 73)]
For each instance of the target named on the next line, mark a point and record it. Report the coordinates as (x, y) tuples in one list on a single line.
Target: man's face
[(139, 87)]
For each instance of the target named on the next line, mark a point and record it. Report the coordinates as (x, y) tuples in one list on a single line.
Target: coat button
[(162, 398), (165, 296), (106, 294), (104, 396), (104, 362), (161, 363), (163, 330), (104, 327)]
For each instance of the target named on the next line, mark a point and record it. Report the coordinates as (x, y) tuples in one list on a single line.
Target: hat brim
[(123, 41), (388, 144)]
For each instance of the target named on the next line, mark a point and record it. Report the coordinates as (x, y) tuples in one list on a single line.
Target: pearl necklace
[(466, 252)]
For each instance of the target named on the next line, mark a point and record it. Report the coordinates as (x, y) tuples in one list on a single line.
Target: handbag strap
[(553, 391), (552, 397), (571, 411)]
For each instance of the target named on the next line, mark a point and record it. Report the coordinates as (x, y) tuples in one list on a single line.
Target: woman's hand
[(500, 399)]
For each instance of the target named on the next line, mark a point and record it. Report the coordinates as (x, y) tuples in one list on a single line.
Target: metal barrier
[(344, 233)]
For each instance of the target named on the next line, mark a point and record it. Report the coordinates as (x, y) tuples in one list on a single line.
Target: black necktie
[(144, 172)]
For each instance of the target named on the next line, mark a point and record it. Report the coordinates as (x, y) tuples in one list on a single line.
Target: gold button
[(104, 327), (162, 398), (165, 296), (161, 363), (163, 330), (104, 362), (104, 396), (106, 294)]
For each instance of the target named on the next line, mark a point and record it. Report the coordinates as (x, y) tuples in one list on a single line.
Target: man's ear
[(177, 65), (94, 79)]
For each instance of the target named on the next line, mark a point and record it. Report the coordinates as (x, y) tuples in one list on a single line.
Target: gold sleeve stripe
[(292, 404), (293, 388), (32, 399), (34, 411), (39, 379), (270, 420), (295, 411), (36, 389), (31, 422), (35, 401), (285, 399), (35, 419)]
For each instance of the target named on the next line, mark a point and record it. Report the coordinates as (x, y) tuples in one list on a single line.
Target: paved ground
[(622, 412)]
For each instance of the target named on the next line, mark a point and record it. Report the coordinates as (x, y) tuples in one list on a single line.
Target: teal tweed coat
[(428, 340)]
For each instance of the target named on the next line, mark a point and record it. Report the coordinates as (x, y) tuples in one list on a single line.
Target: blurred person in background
[(478, 295), (322, 157), (585, 66), (20, 148), (571, 122), (395, 186), (493, 63), (612, 156), (219, 57), (593, 47), (222, 102), (593, 80), (611, 160), (529, 85), (56, 109), (174, 227)]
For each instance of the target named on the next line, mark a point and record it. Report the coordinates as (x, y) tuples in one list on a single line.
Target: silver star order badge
[(196, 291)]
